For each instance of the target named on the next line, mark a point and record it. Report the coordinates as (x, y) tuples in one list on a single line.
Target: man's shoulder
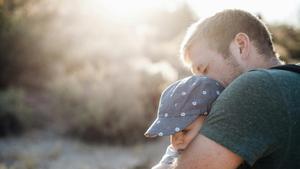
[(255, 81), (255, 92), (244, 114), (253, 76), (265, 78)]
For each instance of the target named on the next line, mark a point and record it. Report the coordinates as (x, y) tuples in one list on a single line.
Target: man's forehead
[(199, 52), (199, 45)]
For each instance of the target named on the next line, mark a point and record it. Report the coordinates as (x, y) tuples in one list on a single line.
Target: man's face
[(182, 139), (208, 62)]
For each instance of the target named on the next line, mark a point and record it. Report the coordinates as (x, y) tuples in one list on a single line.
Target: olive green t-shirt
[(258, 117)]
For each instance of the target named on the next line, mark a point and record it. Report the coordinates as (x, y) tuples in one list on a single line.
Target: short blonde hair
[(220, 29), (188, 40)]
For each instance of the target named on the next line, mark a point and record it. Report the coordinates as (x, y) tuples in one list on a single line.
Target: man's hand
[(204, 153)]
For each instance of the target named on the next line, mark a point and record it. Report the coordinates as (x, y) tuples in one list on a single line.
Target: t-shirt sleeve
[(246, 118)]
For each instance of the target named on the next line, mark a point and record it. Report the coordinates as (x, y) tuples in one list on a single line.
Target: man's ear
[(242, 43)]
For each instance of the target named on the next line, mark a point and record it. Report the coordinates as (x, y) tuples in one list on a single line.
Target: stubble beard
[(235, 69)]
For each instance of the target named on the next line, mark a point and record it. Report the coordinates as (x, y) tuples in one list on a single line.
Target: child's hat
[(182, 102)]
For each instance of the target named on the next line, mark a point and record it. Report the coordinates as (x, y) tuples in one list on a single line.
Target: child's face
[(182, 139)]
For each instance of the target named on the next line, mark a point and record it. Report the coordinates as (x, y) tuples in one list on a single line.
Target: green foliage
[(113, 109), (15, 113), (287, 39), (22, 60), (100, 86)]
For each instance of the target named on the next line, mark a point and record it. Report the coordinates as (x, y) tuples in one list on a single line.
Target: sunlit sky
[(276, 11)]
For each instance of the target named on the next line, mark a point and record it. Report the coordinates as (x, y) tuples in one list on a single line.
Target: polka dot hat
[(182, 102)]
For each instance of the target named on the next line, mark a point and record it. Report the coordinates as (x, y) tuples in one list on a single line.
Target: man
[(255, 123)]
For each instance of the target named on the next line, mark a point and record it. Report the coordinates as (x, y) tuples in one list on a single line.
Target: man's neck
[(274, 61), (265, 63)]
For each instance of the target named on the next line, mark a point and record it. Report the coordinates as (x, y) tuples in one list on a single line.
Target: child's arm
[(168, 160)]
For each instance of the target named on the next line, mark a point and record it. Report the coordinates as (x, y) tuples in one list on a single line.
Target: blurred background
[(80, 80)]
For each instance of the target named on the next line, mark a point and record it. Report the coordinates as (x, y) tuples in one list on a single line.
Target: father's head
[(227, 44)]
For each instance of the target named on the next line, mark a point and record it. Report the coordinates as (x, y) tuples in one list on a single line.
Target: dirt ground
[(42, 150)]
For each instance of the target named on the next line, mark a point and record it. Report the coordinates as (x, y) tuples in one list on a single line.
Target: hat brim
[(165, 126)]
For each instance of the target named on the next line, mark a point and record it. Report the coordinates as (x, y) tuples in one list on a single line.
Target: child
[(182, 109)]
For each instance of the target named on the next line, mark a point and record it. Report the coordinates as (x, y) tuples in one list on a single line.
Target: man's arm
[(245, 124), (204, 153)]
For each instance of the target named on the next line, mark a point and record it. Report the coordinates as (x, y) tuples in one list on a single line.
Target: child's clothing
[(169, 159)]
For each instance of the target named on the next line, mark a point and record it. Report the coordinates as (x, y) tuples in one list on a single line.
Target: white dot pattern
[(193, 101)]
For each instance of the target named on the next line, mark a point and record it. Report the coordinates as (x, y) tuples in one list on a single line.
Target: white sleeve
[(170, 156)]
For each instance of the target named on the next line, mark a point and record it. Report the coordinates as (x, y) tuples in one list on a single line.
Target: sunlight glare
[(131, 9), (272, 11), (120, 10)]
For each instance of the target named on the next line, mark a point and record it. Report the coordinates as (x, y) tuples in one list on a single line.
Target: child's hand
[(180, 140)]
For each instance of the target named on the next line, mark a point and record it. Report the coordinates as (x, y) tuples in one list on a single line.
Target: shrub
[(15, 114), (113, 105)]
